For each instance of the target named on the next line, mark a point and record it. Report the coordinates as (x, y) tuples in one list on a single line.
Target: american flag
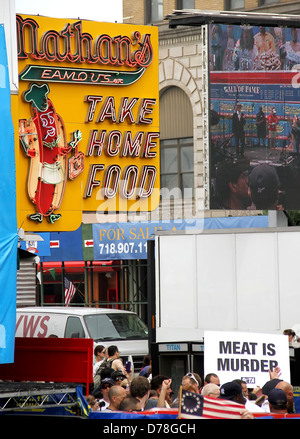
[(70, 290), (195, 406)]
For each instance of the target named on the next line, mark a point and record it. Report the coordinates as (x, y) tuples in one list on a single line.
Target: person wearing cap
[(233, 392), (232, 185), (272, 125), (277, 401), (118, 377), (105, 385), (250, 405), (268, 386), (264, 187), (238, 130), (289, 393)]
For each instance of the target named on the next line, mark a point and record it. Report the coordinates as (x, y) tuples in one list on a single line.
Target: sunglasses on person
[(118, 379), (191, 375), (106, 386)]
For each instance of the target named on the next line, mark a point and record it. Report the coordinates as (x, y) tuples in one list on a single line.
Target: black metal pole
[(151, 315)]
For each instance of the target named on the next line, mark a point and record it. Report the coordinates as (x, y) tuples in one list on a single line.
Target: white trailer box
[(242, 279)]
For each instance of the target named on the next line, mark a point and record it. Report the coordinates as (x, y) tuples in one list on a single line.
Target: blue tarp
[(8, 219), (128, 240), (125, 415)]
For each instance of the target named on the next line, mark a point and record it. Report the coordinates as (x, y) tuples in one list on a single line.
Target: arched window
[(176, 142)]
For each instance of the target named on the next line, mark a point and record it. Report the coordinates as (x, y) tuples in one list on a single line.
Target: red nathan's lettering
[(125, 112), (73, 45)]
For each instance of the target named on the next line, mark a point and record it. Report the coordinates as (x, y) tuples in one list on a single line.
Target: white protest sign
[(246, 355)]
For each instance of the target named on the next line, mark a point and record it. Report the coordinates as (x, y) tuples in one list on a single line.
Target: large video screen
[(254, 88)]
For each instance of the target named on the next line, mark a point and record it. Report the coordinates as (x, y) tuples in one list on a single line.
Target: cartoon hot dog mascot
[(43, 139)]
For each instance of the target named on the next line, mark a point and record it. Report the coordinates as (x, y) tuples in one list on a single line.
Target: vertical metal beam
[(86, 283), (206, 113), (151, 317), (42, 284)]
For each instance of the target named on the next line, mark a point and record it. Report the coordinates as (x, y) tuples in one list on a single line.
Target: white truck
[(105, 326), (242, 279)]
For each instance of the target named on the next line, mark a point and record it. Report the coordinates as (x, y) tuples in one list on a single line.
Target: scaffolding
[(26, 396)]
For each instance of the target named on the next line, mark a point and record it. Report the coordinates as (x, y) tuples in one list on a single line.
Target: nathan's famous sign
[(88, 120)]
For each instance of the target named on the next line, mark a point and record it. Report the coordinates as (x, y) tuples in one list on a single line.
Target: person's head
[(289, 393), (157, 381), (244, 387), (262, 30), (232, 184), (277, 401), (194, 380), (156, 384), (290, 333), (269, 385), (147, 360), (106, 372), (92, 402), (106, 385), (212, 390), (264, 187), (130, 404), (247, 39), (118, 377), (212, 378), (274, 110), (147, 366), (99, 352), (139, 387), (233, 392), (115, 395), (153, 394), (113, 351)]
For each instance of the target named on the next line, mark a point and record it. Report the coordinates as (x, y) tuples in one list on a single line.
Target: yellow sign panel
[(88, 115)]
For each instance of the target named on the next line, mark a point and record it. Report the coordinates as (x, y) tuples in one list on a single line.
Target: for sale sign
[(245, 355)]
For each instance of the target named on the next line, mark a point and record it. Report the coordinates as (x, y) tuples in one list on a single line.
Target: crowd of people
[(244, 47), (120, 391)]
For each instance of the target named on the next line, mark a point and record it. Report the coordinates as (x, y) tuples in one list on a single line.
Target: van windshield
[(115, 327)]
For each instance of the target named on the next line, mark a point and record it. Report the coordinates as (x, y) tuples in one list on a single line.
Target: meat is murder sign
[(245, 355)]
